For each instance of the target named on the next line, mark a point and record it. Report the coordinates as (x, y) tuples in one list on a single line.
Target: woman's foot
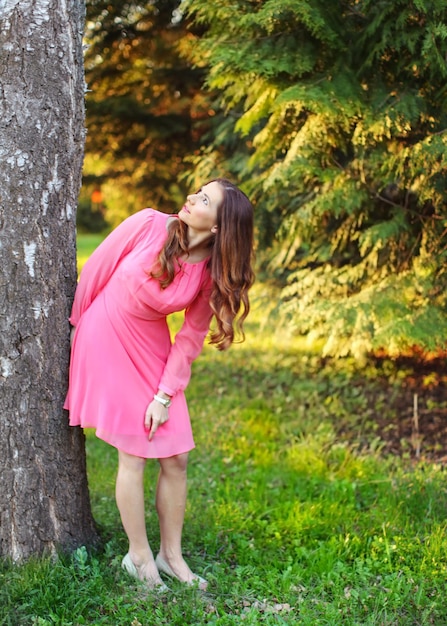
[(146, 572), (180, 571)]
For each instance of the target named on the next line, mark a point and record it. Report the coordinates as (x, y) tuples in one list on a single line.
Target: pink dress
[(122, 350)]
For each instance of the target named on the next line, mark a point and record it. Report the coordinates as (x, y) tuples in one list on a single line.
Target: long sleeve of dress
[(188, 343), (106, 258)]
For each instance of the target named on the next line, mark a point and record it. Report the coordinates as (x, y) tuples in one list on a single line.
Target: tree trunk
[(44, 502)]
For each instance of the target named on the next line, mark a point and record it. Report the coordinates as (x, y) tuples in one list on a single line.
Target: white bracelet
[(166, 402)]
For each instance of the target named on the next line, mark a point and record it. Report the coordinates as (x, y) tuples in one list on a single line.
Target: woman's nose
[(191, 197)]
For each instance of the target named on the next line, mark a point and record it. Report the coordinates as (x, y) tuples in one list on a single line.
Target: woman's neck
[(199, 245)]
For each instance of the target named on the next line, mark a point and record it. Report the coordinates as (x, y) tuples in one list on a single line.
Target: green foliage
[(341, 110), (90, 217), (144, 106), (331, 115)]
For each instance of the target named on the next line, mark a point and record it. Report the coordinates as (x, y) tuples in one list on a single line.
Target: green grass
[(290, 522), (86, 243)]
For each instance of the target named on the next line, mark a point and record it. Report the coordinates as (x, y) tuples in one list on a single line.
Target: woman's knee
[(130, 462), (174, 464)]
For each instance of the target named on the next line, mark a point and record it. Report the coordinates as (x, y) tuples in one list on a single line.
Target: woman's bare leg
[(130, 501), (171, 503)]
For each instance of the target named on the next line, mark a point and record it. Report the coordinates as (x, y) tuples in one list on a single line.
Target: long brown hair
[(231, 256)]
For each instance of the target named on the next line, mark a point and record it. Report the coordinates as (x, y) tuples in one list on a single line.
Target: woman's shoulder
[(147, 225), (157, 217), (149, 219)]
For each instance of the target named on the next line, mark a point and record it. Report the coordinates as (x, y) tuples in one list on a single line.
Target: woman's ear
[(214, 229)]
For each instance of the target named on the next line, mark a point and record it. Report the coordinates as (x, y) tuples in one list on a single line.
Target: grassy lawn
[(86, 243), (295, 513)]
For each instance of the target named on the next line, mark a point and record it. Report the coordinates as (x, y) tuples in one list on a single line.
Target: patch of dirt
[(418, 429)]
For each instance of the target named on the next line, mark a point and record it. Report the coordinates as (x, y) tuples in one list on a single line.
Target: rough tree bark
[(44, 502)]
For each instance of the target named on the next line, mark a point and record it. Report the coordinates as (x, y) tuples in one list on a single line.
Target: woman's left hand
[(156, 415)]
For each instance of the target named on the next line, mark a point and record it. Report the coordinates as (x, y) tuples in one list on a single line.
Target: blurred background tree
[(146, 111), (332, 117)]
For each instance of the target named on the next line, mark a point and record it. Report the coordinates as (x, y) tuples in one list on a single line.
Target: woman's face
[(200, 210)]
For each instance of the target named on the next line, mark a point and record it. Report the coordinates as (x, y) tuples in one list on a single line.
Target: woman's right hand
[(156, 415)]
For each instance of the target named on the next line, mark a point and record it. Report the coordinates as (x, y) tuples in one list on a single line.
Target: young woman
[(127, 379)]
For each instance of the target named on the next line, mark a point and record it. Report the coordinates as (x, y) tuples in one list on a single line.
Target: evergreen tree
[(341, 112)]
